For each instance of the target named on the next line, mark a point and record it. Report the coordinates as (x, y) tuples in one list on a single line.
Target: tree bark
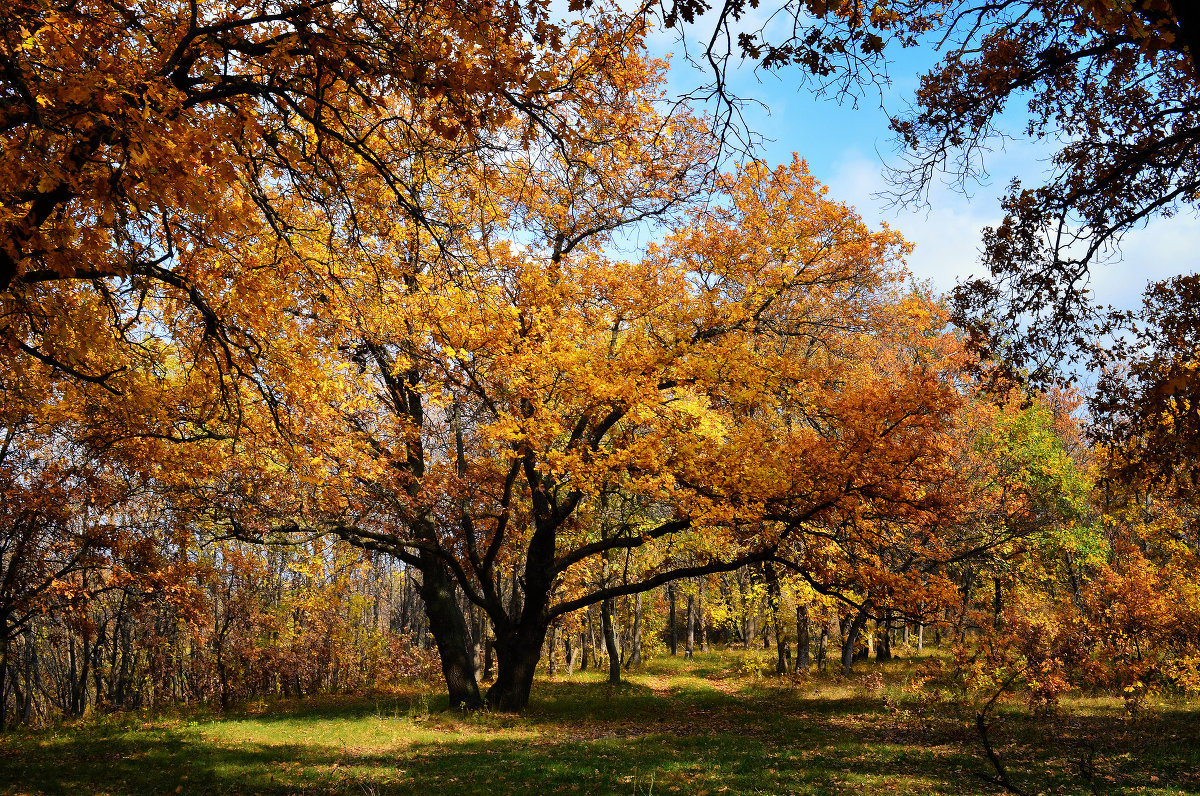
[(517, 652), (690, 647), (449, 629), (802, 638), (883, 645), (552, 658), (852, 634), (635, 654), (572, 651), (783, 653), (671, 619), (610, 642)]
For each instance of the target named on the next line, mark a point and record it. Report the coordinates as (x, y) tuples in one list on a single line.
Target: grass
[(694, 727)]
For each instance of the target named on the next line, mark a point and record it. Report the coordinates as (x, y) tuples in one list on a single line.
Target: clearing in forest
[(706, 725)]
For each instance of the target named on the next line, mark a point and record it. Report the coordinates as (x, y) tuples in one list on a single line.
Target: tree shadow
[(585, 738)]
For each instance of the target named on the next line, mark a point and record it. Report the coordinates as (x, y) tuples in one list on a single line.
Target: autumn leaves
[(323, 286)]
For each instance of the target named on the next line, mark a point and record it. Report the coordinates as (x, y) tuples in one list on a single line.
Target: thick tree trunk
[(883, 645), (449, 629), (802, 638), (572, 652), (610, 642), (517, 652)]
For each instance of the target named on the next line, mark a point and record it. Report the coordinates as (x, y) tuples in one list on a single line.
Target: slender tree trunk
[(671, 619), (783, 653), (488, 660), (968, 587), (690, 647), (552, 662), (635, 653), (595, 639), (750, 623), (4, 647), (997, 602), (852, 635), (701, 617)]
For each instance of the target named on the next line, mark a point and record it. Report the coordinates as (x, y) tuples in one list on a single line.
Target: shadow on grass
[(584, 737)]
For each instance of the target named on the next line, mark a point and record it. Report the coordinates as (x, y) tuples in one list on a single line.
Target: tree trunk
[(517, 652), (690, 647), (572, 651), (852, 634), (4, 646), (671, 619), (635, 654), (883, 645), (610, 642), (998, 602), (449, 629), (783, 653), (701, 617), (802, 638), (552, 658)]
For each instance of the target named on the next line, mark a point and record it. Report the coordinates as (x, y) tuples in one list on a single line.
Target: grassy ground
[(694, 727)]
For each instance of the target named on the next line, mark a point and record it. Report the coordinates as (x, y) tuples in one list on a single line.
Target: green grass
[(693, 727)]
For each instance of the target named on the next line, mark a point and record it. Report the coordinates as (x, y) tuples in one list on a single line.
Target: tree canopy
[(302, 272)]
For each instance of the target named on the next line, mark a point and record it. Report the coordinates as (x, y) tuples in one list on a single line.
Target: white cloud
[(1164, 248), (946, 234)]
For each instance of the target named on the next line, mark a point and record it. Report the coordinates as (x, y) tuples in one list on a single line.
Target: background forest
[(350, 343)]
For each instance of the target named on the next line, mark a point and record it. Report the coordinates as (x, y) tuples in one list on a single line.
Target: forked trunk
[(517, 654)]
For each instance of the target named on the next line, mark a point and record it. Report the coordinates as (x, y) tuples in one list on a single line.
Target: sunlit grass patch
[(676, 726)]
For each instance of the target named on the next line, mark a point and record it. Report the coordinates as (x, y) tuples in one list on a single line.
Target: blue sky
[(847, 148)]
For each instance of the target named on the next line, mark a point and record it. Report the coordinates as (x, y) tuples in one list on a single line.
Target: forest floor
[(711, 725)]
